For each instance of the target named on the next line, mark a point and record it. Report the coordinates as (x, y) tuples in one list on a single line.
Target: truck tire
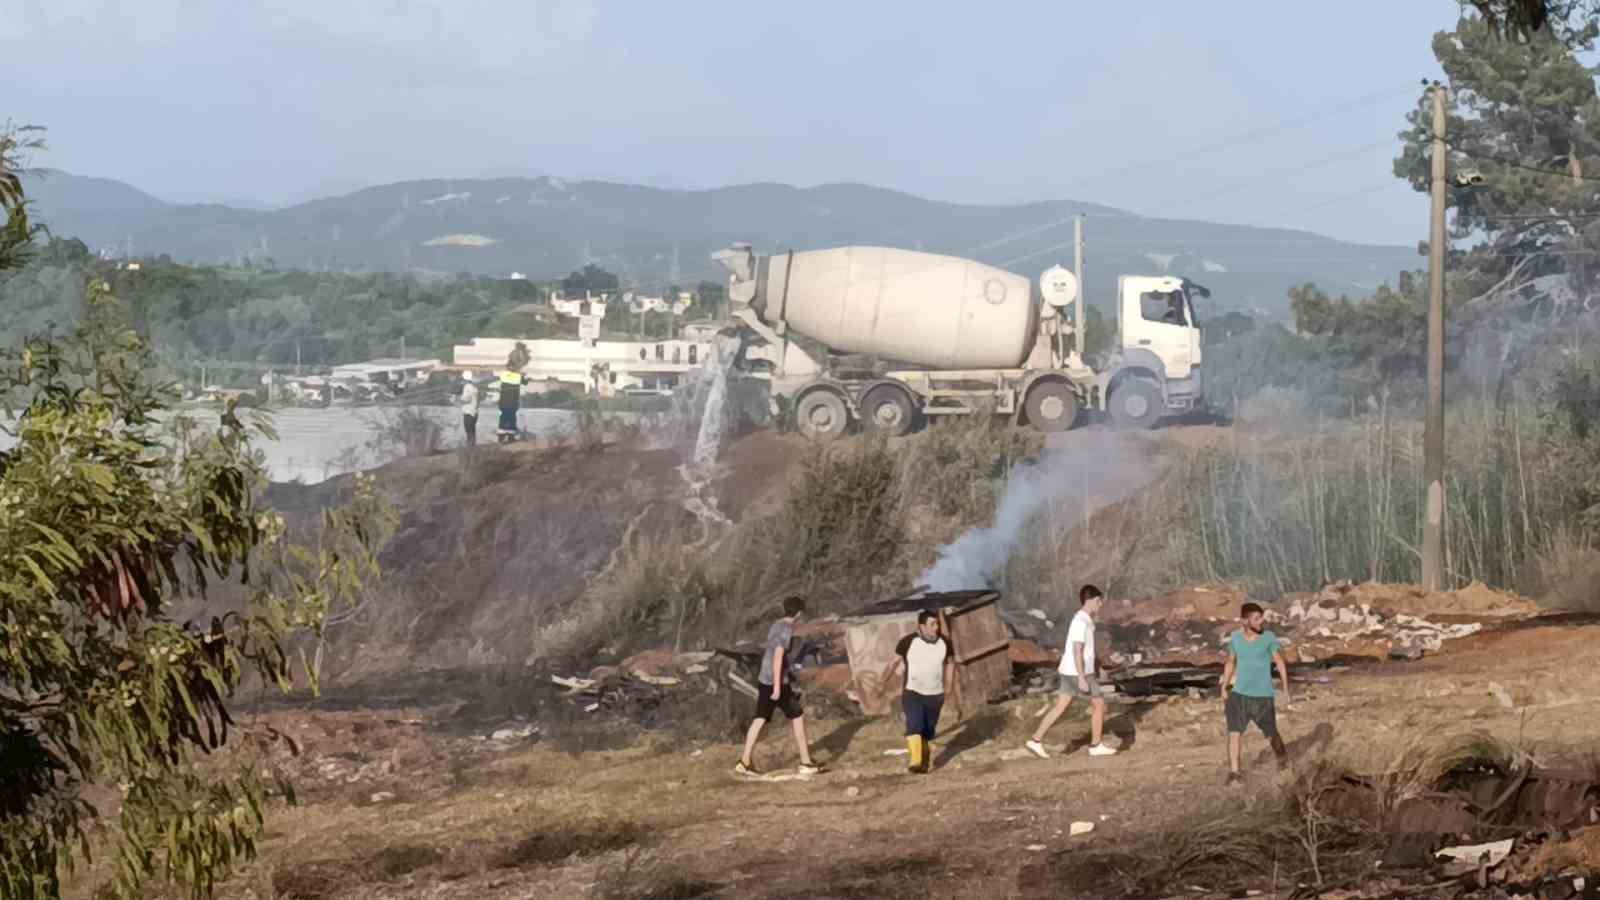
[(822, 414), (888, 410), (1135, 404), (1051, 406)]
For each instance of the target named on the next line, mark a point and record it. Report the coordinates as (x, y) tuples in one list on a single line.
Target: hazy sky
[(275, 101)]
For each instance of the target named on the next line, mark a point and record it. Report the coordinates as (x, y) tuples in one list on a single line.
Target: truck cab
[(1155, 368)]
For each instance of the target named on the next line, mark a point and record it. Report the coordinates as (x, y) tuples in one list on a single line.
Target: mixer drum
[(925, 309)]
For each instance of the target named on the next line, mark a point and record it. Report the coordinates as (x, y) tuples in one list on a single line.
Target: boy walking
[(774, 691), (1252, 654), (1078, 679), (930, 664)]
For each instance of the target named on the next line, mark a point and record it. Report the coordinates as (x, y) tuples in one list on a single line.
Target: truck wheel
[(1136, 403), (822, 414), (1051, 406), (888, 410)]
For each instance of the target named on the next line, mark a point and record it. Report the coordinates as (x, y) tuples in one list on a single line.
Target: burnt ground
[(438, 766), (493, 546), (404, 795)]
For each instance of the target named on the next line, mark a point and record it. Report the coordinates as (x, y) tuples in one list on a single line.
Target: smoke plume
[(1087, 470)]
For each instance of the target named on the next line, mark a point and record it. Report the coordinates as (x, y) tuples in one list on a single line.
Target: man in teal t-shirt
[(1252, 653)]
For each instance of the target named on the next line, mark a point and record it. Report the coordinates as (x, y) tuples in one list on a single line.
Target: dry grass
[(1344, 499), (860, 517), (643, 874), (568, 840)]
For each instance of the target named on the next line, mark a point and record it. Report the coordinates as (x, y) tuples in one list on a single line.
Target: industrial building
[(624, 367)]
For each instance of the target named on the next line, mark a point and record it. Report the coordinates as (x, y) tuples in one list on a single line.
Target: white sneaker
[(1037, 749), (1102, 750)]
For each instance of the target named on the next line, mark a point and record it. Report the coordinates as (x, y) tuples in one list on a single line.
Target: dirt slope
[(490, 550)]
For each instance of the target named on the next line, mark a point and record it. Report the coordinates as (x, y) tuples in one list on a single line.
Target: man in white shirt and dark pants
[(1078, 677), (930, 664)]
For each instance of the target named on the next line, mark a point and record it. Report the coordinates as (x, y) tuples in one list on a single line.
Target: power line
[(1292, 170), (1190, 152), (1481, 156)]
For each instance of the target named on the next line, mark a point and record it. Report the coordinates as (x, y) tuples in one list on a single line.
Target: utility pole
[(1077, 269), (1433, 426), (402, 346)]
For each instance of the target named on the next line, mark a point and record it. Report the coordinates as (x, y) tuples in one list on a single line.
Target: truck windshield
[(1166, 307), (1189, 297)]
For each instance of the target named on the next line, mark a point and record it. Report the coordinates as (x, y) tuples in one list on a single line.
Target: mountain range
[(545, 227)]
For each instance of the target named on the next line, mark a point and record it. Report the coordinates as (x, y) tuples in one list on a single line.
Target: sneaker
[(1234, 778), (1102, 750), (1037, 749), (809, 769), (742, 769)]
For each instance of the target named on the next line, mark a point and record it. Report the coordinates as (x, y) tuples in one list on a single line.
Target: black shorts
[(922, 713), (1241, 711), (788, 701)]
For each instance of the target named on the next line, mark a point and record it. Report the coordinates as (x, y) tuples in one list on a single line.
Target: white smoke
[(1094, 467)]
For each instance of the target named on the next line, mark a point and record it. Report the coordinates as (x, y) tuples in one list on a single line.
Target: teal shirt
[(1254, 669)]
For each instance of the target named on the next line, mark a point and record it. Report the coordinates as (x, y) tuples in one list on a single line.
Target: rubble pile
[(1342, 620), (641, 683)]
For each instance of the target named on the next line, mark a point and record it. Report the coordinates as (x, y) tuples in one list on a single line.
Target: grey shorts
[(1241, 711), (1069, 687)]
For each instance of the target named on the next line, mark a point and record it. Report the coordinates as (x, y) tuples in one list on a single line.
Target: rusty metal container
[(969, 619)]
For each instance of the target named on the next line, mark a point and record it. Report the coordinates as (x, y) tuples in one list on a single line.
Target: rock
[(649, 662), (852, 791), (512, 732), (1502, 695), (1037, 614), (1080, 828), (382, 797), (1035, 848)]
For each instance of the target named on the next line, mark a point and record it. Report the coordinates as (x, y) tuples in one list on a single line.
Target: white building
[(654, 367), (638, 304), (398, 372), (589, 306)]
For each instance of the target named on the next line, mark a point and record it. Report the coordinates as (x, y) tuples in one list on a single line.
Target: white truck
[(887, 337)]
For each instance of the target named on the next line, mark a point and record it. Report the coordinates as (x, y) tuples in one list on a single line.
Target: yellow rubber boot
[(914, 744)]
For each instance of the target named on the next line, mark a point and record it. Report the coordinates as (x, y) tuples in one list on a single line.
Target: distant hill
[(546, 227)]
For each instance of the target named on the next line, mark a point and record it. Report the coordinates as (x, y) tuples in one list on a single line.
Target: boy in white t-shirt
[(1078, 679)]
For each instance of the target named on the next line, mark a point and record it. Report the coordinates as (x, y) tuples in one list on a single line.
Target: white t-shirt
[(469, 399), (924, 664), (1082, 629)]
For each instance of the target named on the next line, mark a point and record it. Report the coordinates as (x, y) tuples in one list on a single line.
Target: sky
[(1281, 114)]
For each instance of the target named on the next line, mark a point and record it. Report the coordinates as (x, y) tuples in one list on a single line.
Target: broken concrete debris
[(1343, 619)]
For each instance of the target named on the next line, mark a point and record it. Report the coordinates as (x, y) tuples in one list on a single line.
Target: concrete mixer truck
[(886, 338)]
